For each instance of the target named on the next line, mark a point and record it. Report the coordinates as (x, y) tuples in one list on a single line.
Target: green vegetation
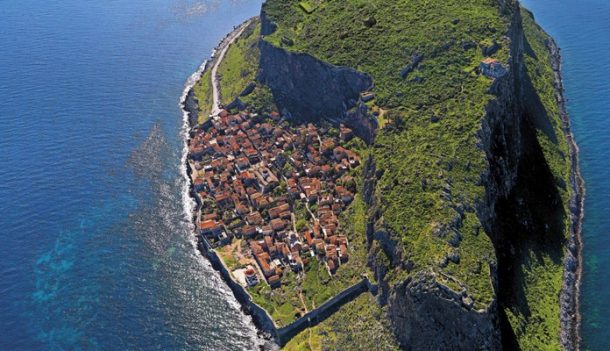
[(240, 64), (308, 6), (361, 34), (237, 70), (260, 100), (538, 64), (315, 287), (283, 304), (428, 150), (203, 92), (358, 325), (228, 254), (431, 103), (537, 326), (299, 294), (229, 260)]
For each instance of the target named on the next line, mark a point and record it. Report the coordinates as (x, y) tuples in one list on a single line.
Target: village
[(272, 190)]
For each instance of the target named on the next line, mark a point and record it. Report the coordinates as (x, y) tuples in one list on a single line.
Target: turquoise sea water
[(582, 30), (95, 251)]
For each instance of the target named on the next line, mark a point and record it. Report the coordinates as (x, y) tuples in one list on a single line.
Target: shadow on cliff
[(530, 221), (307, 89)]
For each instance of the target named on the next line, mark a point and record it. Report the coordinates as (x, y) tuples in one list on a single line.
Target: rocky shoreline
[(262, 320), (570, 293), (190, 105), (572, 264)]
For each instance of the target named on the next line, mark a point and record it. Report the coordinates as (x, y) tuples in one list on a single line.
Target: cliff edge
[(470, 193)]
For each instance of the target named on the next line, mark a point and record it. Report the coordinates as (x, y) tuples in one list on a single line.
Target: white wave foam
[(189, 204)]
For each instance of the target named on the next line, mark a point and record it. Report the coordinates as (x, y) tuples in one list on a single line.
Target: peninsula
[(390, 175)]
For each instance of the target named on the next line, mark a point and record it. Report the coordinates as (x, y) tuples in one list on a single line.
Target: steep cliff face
[(522, 212), (428, 315), (426, 310), (500, 134), (533, 195), (503, 138), (479, 269), (308, 89)]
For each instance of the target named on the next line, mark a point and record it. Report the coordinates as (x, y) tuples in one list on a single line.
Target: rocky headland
[(471, 190)]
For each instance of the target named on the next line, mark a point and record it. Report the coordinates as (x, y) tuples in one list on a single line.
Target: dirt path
[(311, 347), (303, 302)]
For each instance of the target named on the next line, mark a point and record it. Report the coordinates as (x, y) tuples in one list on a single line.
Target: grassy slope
[(203, 92), (240, 64), (358, 325), (317, 286), (432, 169), (239, 68), (236, 71), (422, 160)]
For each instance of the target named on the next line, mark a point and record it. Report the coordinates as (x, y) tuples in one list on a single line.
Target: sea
[(96, 250)]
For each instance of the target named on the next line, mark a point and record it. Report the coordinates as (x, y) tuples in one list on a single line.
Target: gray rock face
[(416, 59), (426, 314), (430, 316), (468, 44), (267, 26), (363, 124), (307, 89), (236, 104), (248, 89), (488, 50), (501, 131), (191, 105)]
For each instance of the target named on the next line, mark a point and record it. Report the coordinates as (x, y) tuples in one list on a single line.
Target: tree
[(301, 225)]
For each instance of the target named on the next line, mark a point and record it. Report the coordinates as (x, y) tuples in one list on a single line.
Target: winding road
[(223, 50)]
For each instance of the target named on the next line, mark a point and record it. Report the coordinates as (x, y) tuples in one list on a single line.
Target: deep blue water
[(582, 30), (95, 249)]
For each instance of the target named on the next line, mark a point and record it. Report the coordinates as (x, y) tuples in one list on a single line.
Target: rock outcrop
[(427, 314), (307, 89), (518, 211)]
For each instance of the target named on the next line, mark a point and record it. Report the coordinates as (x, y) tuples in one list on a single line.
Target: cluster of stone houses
[(250, 172)]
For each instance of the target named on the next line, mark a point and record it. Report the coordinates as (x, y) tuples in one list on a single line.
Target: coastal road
[(223, 50)]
